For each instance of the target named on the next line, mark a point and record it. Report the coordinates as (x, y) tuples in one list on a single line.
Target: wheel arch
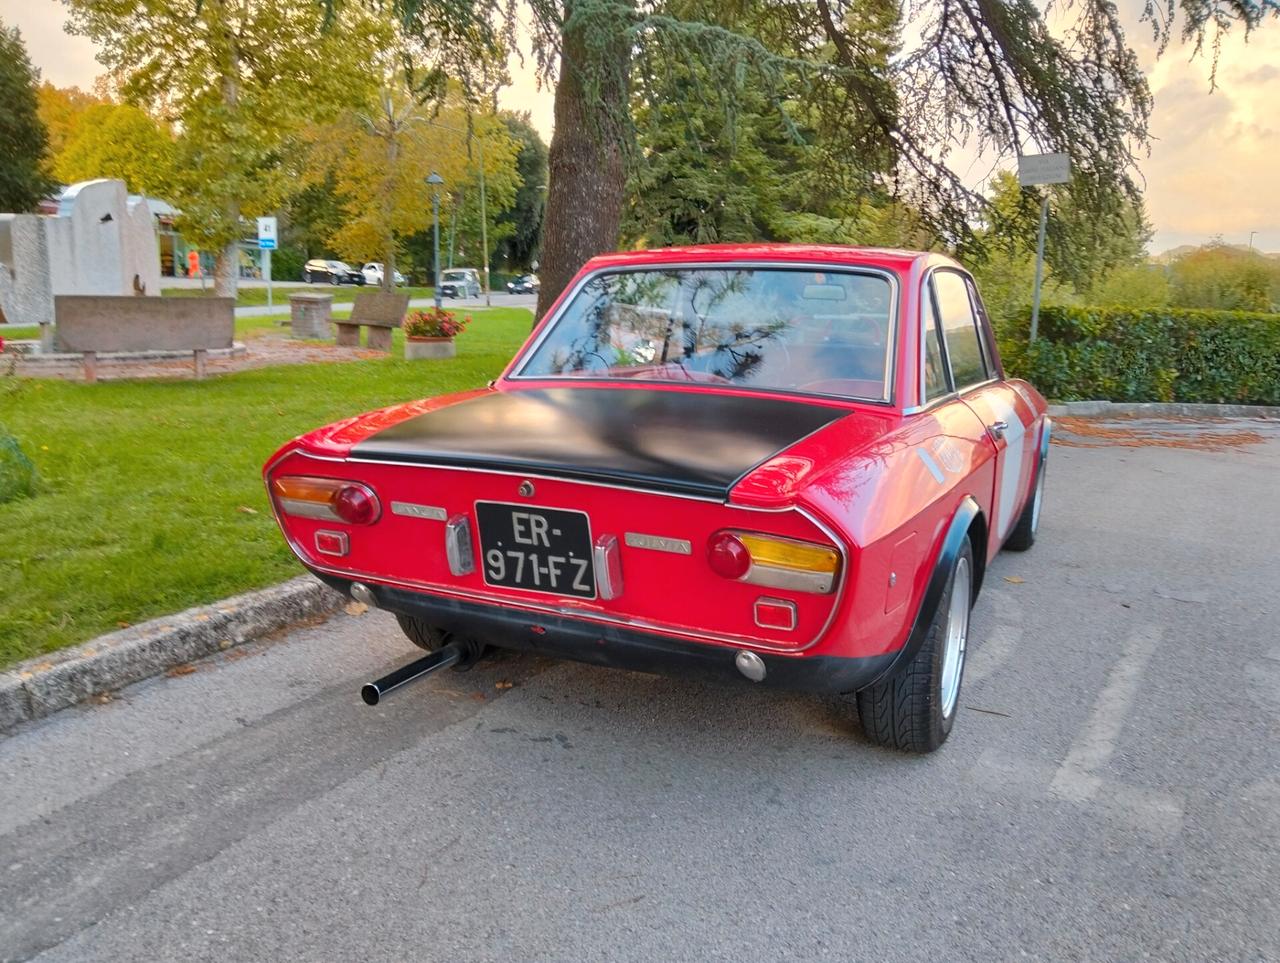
[(966, 519)]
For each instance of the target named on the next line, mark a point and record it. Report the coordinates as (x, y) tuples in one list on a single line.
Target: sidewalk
[(281, 305)]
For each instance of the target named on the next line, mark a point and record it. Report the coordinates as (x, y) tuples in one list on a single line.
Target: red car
[(777, 463)]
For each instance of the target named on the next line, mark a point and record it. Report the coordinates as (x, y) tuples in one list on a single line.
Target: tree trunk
[(587, 162), (389, 237), (226, 271)]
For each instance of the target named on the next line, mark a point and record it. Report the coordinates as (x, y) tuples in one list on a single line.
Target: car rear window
[(814, 332)]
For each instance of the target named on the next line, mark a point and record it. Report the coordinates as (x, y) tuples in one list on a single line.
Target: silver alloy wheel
[(1039, 497), (957, 634)]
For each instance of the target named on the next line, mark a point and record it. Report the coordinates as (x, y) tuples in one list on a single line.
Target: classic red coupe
[(776, 463)]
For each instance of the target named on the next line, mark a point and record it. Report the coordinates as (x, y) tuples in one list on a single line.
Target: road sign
[(266, 233), (1036, 169)]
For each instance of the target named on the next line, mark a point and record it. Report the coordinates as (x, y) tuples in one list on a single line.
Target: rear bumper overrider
[(619, 647)]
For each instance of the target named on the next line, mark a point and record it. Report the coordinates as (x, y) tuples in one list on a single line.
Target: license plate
[(539, 549)]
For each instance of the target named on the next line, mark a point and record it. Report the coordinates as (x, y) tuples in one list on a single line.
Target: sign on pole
[(1033, 170), (266, 244), (266, 233)]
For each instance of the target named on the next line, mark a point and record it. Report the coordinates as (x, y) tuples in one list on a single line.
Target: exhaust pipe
[(372, 692)]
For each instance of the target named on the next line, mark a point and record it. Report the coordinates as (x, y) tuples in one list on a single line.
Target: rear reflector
[(775, 613), (331, 543), (775, 561), (329, 499)]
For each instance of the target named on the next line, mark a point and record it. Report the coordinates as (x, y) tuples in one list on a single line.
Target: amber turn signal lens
[(330, 499), (773, 560)]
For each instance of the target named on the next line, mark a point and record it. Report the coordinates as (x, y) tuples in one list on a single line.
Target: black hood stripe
[(687, 442)]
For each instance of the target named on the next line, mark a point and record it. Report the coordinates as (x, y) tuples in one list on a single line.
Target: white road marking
[(1077, 778), (983, 660)]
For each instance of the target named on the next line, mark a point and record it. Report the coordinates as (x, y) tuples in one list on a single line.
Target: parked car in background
[(373, 274), (334, 272), (460, 283), (524, 284), (785, 465)]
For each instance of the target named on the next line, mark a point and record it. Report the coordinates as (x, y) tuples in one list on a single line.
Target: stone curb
[(1158, 409), (41, 686)]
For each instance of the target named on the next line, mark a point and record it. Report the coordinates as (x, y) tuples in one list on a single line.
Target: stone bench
[(379, 312), (91, 324)]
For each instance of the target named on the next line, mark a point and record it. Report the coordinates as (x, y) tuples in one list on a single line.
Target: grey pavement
[(504, 300), (1111, 790)]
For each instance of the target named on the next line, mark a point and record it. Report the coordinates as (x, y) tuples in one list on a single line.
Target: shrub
[(18, 475), (1157, 354), (434, 323)]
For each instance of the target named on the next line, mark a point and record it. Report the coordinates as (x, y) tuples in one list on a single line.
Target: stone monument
[(99, 242)]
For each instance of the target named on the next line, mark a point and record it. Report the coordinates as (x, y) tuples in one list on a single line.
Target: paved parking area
[(1111, 791)]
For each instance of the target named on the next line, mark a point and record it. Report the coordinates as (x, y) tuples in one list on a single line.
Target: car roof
[(893, 259)]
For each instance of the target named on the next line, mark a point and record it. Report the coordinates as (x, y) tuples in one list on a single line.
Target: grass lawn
[(251, 297), (151, 497)]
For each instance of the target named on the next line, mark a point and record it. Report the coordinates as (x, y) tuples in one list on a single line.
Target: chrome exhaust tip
[(362, 593), (750, 665)]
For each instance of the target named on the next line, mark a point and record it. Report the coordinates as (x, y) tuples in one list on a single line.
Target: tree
[(990, 74), (61, 109), (522, 224), (379, 157), (23, 182), (1223, 277), (122, 141), (239, 79)]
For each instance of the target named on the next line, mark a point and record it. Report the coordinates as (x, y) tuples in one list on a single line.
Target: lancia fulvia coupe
[(782, 465)]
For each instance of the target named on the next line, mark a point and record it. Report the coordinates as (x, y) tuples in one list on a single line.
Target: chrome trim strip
[(658, 543), (818, 583), (520, 362), (411, 510), (579, 612), (306, 509)]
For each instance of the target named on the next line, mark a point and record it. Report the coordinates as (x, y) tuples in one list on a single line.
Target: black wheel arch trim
[(963, 519)]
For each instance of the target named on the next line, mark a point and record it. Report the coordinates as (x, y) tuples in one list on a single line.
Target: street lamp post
[(1251, 234), (484, 213), (435, 180)]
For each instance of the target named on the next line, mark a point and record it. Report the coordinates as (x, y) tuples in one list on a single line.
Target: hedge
[(1153, 354)]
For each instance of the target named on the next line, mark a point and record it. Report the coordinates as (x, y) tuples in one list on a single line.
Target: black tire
[(907, 711), (421, 634), (1023, 535)]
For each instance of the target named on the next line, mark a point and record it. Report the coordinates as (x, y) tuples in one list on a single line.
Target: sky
[(1213, 168)]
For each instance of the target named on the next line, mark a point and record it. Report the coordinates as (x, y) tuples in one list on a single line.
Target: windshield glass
[(824, 332), (454, 275)]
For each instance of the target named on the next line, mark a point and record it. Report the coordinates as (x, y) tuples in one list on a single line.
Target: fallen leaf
[(356, 608), (123, 625), (203, 617), (1014, 579), (478, 696), (246, 510), (502, 684), (185, 669)]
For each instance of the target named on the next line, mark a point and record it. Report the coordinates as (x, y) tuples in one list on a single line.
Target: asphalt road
[(1111, 791)]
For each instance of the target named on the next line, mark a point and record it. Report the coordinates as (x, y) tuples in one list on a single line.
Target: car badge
[(526, 488)]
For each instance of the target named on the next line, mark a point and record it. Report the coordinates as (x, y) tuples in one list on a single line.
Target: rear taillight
[(330, 499), (774, 561)]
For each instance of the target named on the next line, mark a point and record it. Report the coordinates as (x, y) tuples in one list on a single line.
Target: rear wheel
[(421, 634), (915, 709), (1023, 535)]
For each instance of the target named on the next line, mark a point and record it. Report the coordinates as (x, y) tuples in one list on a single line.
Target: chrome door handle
[(998, 428)]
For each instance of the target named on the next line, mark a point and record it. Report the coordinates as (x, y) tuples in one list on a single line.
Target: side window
[(935, 369), (964, 348)]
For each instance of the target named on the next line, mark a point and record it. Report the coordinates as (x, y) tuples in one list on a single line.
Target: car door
[(1008, 419)]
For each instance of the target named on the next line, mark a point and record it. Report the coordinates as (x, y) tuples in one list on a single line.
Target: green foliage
[(1226, 278), (152, 496), (18, 476), (522, 224), (1127, 354), (120, 141), (23, 181)]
